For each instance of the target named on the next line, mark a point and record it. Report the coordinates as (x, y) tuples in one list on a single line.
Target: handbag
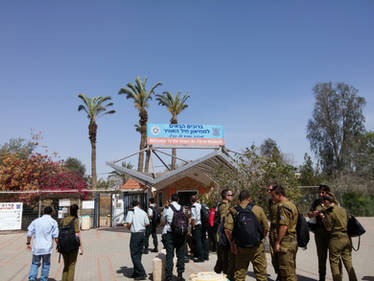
[(355, 229)]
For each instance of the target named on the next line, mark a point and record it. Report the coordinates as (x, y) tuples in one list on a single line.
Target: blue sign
[(185, 134)]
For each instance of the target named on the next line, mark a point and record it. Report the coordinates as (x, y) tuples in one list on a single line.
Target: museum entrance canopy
[(202, 169)]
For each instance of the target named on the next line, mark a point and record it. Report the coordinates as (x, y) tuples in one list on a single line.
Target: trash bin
[(85, 223)]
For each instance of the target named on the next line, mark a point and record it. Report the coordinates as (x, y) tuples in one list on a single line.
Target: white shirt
[(150, 211), (196, 212), (138, 219), (167, 216), (44, 230)]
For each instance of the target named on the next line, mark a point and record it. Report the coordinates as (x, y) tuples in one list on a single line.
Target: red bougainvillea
[(37, 172)]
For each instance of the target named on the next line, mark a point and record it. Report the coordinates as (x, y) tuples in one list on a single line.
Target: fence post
[(40, 207), (95, 211)]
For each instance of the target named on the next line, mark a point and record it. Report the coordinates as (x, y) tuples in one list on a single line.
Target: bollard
[(158, 269)]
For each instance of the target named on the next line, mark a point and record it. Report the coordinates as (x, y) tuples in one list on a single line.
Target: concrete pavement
[(107, 258)]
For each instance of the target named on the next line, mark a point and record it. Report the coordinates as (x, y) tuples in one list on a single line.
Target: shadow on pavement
[(252, 274), (114, 229), (305, 278), (123, 229), (299, 277), (369, 278), (126, 271)]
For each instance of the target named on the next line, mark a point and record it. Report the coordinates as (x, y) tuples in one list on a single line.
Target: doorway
[(185, 196)]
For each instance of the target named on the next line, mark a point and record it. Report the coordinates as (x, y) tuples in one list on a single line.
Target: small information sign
[(11, 216)]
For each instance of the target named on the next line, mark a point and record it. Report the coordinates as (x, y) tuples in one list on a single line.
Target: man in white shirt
[(44, 230), (198, 233), (172, 242), (137, 221)]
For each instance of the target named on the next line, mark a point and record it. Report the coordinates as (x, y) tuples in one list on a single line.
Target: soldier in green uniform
[(245, 255), (223, 252), (321, 236), (272, 235), (335, 219), (284, 232), (70, 258), (137, 221)]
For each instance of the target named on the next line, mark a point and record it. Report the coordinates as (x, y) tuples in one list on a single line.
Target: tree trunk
[(141, 154), (93, 165), (147, 159), (92, 129), (173, 150), (143, 131)]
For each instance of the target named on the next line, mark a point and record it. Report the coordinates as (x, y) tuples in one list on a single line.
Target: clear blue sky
[(248, 65)]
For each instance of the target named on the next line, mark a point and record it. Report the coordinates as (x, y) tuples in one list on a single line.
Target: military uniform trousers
[(222, 263), (171, 243), (286, 259), (256, 256), (274, 256), (201, 243), (322, 244), (136, 249), (150, 230), (231, 266), (70, 259), (340, 247)]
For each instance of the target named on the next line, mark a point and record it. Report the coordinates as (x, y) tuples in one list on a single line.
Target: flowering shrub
[(37, 172)]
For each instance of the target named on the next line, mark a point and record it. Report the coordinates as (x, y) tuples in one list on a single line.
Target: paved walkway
[(107, 258)]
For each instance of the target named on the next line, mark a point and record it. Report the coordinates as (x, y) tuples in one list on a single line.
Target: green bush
[(358, 204)]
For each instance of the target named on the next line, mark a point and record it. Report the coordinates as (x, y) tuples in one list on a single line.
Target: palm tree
[(141, 99), (175, 106), (123, 177), (94, 107)]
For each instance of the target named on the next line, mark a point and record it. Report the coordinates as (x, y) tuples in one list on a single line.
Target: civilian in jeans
[(44, 230)]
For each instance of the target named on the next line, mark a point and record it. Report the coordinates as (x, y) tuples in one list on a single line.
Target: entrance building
[(193, 178)]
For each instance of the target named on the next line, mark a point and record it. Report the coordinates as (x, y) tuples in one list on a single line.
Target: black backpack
[(179, 223), (302, 231), (67, 240), (221, 236), (247, 232), (156, 216), (204, 215)]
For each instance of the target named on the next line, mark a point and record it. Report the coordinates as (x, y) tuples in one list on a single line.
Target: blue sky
[(248, 65)]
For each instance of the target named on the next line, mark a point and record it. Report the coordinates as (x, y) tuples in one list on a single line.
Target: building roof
[(202, 169), (132, 185)]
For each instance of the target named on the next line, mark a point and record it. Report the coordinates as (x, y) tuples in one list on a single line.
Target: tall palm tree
[(124, 178), (141, 99), (175, 106), (94, 107)]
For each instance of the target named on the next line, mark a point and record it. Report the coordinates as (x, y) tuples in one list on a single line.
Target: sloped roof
[(201, 169), (132, 185)]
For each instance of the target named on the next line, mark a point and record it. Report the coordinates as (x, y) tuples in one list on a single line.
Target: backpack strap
[(218, 205), (358, 245), (71, 222), (249, 207), (174, 209)]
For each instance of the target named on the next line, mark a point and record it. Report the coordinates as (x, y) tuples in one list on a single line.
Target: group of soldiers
[(247, 222), (330, 236)]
